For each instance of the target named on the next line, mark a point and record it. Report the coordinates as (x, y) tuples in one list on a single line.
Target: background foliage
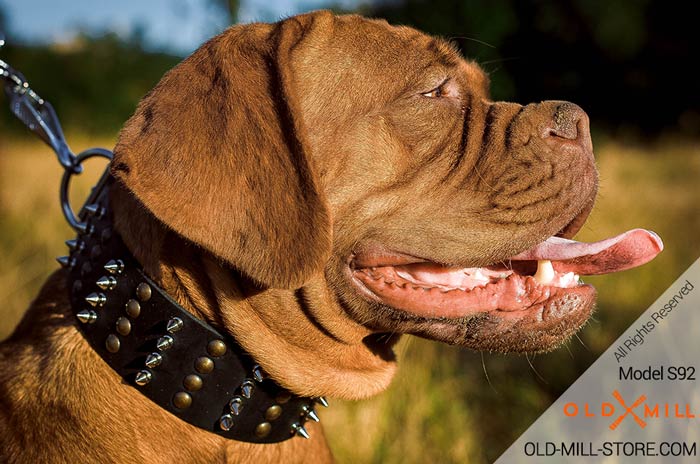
[(629, 64)]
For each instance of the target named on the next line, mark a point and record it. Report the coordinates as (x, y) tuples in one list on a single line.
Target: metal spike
[(174, 325), (247, 388), (106, 282), (87, 316), (93, 208), (66, 261), (235, 405), (84, 228), (143, 377), (164, 342), (75, 244), (96, 299), (309, 413), (322, 401), (153, 360), (258, 373), (298, 429), (114, 266), (226, 422)]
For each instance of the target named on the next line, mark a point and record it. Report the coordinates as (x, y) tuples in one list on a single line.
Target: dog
[(314, 189)]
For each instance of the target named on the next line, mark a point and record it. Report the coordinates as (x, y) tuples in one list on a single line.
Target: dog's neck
[(302, 337)]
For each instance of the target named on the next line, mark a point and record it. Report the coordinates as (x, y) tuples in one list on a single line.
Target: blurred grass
[(446, 404)]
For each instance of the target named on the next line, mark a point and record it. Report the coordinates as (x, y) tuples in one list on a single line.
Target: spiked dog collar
[(178, 361)]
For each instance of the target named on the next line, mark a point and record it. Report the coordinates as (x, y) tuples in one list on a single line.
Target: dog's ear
[(217, 151)]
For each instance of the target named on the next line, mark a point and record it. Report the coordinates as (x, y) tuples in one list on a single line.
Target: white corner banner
[(639, 402)]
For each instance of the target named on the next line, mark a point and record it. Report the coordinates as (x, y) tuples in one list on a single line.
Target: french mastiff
[(313, 189)]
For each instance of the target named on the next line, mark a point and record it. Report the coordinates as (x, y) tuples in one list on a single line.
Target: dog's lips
[(531, 280)]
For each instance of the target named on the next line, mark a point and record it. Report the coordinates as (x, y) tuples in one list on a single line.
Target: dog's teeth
[(545, 271)]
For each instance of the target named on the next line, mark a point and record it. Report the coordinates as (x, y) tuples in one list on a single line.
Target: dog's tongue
[(630, 249)]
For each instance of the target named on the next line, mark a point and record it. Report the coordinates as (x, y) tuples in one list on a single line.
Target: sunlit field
[(446, 404)]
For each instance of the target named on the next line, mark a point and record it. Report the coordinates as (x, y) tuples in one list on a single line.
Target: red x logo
[(628, 410)]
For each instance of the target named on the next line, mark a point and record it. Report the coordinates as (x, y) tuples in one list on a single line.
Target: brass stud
[(192, 382), (204, 365), (283, 397), (235, 405), (112, 343), (153, 360), (247, 388), (182, 400), (174, 325), (87, 316), (133, 309), (263, 429), (143, 291), (143, 377), (216, 348), (273, 412), (123, 326), (226, 422), (164, 342)]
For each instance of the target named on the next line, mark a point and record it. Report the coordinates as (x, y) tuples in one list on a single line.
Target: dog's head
[(363, 171)]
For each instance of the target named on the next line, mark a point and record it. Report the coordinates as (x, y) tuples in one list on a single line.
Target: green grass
[(446, 404)]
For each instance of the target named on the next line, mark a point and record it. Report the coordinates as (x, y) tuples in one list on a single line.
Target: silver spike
[(298, 429), (84, 228), (235, 405), (106, 282), (247, 388), (322, 401), (153, 360), (75, 244), (164, 342), (226, 422), (87, 316), (174, 325), (93, 208), (65, 261), (143, 377), (96, 299), (309, 413), (114, 266), (258, 373)]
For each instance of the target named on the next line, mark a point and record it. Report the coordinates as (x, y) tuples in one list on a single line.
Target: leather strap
[(178, 361)]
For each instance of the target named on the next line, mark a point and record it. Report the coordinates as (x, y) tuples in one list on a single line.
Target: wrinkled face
[(443, 200)]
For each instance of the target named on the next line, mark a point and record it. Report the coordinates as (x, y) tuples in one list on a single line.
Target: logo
[(639, 411)]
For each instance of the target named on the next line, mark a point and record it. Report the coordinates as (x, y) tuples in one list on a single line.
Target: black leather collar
[(178, 361)]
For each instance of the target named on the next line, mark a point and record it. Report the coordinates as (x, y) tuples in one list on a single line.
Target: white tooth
[(545, 271), (577, 278), (479, 276)]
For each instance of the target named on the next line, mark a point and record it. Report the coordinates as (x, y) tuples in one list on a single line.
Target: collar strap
[(178, 361)]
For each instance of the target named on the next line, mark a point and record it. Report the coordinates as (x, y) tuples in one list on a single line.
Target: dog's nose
[(568, 123)]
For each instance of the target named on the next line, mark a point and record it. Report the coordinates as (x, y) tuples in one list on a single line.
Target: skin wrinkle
[(322, 152)]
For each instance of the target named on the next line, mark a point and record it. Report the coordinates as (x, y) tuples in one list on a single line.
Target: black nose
[(568, 123)]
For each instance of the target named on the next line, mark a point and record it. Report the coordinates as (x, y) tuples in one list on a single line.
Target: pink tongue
[(630, 249)]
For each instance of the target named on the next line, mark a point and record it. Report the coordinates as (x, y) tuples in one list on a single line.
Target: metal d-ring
[(71, 217)]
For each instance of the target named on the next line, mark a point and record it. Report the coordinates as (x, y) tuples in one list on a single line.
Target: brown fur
[(248, 177)]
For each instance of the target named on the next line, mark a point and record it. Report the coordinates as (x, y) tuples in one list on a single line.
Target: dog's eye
[(437, 92)]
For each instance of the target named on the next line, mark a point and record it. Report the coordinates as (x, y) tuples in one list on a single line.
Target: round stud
[(106, 235), (77, 286), (204, 365), (273, 412), (95, 252), (192, 382), (133, 309), (112, 343), (216, 348), (263, 429), (182, 400), (85, 269), (226, 422), (283, 397), (123, 326), (143, 291)]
